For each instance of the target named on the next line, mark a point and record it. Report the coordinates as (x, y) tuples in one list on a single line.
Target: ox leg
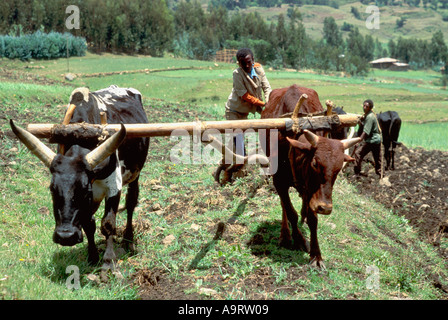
[(108, 229), (315, 255), (89, 228), (131, 203), (392, 156), (289, 214), (387, 153)]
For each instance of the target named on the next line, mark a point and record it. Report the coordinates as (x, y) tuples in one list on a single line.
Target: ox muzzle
[(67, 235), (321, 207)]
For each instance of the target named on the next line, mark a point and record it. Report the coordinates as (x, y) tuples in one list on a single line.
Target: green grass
[(238, 265), (424, 135)]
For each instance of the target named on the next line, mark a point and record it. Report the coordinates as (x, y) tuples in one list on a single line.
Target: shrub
[(40, 45)]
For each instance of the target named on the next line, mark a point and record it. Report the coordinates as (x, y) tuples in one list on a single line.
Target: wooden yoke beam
[(57, 132)]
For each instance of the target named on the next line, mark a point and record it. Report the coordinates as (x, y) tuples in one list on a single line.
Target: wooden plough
[(88, 134)]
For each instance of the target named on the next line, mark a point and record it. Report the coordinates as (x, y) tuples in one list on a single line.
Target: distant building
[(389, 64), (226, 55)]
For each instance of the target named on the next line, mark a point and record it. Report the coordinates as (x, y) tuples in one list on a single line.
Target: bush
[(40, 45)]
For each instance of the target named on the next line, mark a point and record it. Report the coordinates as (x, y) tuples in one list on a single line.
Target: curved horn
[(96, 156), (239, 159), (37, 147), (302, 98), (347, 143), (311, 137)]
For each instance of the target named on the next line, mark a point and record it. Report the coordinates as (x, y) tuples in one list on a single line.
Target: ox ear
[(347, 158), (299, 145)]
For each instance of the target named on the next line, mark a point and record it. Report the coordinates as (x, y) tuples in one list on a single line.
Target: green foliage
[(400, 22), (186, 30), (41, 45), (355, 13)]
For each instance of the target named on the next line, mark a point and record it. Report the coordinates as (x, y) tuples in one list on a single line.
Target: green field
[(181, 206), (415, 95)]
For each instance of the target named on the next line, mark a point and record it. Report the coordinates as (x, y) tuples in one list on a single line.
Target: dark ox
[(390, 124), (310, 164), (85, 175), (343, 132)]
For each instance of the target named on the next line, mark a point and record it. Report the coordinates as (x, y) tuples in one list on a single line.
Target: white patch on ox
[(100, 104), (84, 93), (120, 91), (109, 187), (127, 175)]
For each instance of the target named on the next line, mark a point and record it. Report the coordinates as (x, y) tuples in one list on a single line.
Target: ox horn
[(302, 98), (100, 153), (262, 159), (311, 137), (347, 143), (37, 147)]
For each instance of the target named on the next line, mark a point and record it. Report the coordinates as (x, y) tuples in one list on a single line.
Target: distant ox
[(390, 124), (83, 176), (310, 163)]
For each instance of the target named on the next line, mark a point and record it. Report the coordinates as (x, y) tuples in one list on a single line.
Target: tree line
[(187, 30), (232, 4)]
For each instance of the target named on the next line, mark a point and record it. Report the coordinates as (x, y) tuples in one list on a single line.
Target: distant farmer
[(249, 85), (370, 139)]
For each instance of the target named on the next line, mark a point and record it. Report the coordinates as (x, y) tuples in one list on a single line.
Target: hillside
[(421, 23)]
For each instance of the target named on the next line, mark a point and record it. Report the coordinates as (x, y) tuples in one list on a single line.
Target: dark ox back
[(309, 163), (79, 184)]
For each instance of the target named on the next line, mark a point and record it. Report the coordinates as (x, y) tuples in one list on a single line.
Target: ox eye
[(314, 164)]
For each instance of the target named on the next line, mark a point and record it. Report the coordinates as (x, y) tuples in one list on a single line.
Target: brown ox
[(310, 164)]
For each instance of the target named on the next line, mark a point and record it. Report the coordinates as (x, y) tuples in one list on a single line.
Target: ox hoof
[(298, 245), (317, 263), (93, 257), (128, 246), (285, 242)]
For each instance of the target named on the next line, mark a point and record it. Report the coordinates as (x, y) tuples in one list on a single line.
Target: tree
[(355, 13), (281, 33), (400, 22), (295, 53), (439, 50), (188, 16), (392, 48), (332, 36)]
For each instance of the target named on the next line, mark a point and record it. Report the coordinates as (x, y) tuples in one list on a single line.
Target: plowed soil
[(417, 189)]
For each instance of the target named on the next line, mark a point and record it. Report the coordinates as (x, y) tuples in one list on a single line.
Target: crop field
[(196, 239)]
